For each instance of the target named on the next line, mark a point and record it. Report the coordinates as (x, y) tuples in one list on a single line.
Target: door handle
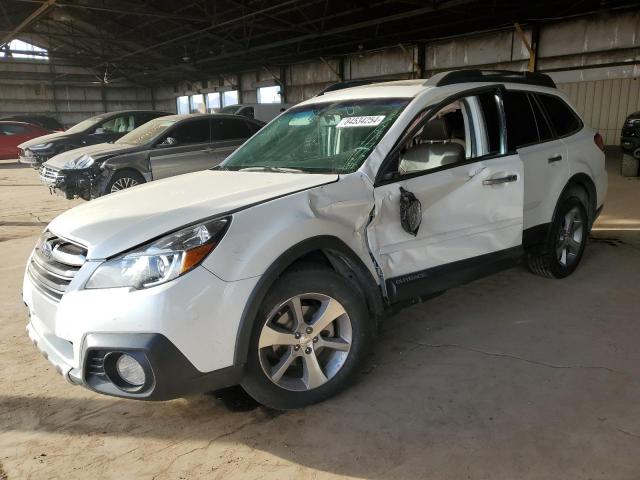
[(555, 158), (500, 180)]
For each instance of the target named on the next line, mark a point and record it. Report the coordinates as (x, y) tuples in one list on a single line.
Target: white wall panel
[(604, 104)]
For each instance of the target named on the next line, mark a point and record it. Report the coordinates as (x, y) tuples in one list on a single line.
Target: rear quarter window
[(562, 117)]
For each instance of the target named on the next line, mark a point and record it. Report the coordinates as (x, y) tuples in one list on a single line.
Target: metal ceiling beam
[(41, 10), (140, 13), (342, 29), (199, 31)]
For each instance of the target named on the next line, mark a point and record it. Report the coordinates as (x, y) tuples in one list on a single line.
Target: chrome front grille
[(50, 175), (54, 263)]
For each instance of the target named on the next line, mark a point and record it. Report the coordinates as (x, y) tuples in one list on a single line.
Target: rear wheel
[(566, 243), (122, 180), (310, 335)]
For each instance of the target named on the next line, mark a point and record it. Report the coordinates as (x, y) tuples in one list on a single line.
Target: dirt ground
[(513, 376)]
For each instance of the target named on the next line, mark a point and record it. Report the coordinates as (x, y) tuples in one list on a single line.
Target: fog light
[(130, 370)]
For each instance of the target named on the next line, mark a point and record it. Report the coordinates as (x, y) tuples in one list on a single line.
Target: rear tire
[(629, 167), (566, 242), (123, 179), (310, 336)]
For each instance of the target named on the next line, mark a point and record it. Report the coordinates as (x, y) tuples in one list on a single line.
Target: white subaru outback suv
[(273, 269)]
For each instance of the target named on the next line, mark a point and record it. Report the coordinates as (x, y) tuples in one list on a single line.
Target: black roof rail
[(353, 83), (476, 75)]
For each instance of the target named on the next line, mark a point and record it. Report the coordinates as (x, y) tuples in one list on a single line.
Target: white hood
[(117, 222)]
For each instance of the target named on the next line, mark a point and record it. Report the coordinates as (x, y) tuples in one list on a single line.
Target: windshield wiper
[(270, 169)]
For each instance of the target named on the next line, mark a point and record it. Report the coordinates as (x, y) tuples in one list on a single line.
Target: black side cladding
[(410, 212)]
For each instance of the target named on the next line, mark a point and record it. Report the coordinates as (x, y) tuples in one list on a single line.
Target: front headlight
[(161, 260), (85, 161), (40, 146)]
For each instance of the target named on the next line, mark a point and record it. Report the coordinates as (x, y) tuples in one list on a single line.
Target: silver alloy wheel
[(570, 237), (305, 341), (122, 183)]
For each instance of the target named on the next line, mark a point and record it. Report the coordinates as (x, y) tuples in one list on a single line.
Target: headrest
[(436, 129)]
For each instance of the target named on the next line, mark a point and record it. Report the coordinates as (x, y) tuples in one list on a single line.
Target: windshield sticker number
[(367, 121)]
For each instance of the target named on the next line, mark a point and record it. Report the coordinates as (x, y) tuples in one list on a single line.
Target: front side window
[(442, 140), (332, 137), (562, 117), (189, 133), (121, 124)]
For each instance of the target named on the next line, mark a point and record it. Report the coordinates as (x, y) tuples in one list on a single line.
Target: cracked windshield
[(320, 138)]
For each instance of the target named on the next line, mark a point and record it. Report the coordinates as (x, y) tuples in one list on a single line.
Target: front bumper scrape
[(169, 373)]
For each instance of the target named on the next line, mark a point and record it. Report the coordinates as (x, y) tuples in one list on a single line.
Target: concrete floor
[(513, 376)]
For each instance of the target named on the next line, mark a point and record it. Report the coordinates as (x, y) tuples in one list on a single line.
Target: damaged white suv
[(273, 269)]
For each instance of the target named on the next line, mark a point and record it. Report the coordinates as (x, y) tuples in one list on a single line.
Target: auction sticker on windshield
[(367, 121)]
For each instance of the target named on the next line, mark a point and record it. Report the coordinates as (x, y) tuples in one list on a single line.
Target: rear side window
[(544, 131), (229, 129), (196, 131), (521, 122), (562, 117), (491, 115)]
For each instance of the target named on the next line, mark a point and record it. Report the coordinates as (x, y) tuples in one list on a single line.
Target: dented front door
[(463, 212)]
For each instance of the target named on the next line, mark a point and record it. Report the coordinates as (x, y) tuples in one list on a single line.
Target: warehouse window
[(213, 102), (269, 94), (229, 98), (183, 104), (197, 104), (19, 49)]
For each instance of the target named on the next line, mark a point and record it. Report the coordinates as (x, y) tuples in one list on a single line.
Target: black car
[(106, 127), (163, 147), (40, 120), (630, 136)]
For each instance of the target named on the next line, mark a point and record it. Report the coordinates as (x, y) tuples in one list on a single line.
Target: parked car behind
[(14, 133), (106, 127), (630, 135), (161, 148), (265, 112), (42, 121)]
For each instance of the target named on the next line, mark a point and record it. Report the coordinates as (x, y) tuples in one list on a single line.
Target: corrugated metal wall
[(604, 104)]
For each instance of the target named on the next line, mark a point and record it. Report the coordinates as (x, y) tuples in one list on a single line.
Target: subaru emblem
[(47, 249)]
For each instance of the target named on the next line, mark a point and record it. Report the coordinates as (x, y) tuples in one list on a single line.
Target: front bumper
[(169, 373), (70, 183), (184, 331), (33, 159)]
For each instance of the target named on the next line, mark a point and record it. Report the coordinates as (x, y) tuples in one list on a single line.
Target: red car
[(13, 134)]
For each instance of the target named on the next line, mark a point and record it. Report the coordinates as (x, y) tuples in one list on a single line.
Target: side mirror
[(98, 131)]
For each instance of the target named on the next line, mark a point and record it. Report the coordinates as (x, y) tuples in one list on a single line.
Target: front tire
[(566, 242), (123, 179), (309, 338)]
